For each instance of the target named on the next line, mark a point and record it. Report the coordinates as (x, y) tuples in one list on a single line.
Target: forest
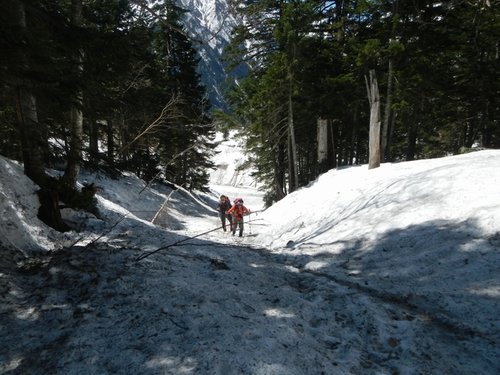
[(109, 85), (304, 103), (113, 85)]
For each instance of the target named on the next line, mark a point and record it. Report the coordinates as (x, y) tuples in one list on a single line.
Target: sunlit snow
[(387, 271)]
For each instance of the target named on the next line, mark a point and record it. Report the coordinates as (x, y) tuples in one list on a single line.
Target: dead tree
[(374, 100), (49, 211)]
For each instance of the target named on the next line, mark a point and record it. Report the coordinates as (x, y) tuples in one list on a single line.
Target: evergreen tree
[(184, 144), (435, 67), (101, 66)]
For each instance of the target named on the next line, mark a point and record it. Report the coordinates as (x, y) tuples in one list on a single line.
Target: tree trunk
[(32, 140), (332, 157), (322, 139), (352, 143), (76, 120), (49, 211), (279, 174), (412, 141), (94, 140), (389, 138), (387, 115), (291, 175), (374, 99), (294, 183), (111, 142), (31, 137)]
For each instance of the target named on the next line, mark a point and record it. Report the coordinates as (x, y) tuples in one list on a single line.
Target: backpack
[(238, 211)]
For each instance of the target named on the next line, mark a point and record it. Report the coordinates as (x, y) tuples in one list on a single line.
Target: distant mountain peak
[(210, 22)]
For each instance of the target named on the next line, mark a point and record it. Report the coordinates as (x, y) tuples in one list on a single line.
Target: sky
[(393, 270)]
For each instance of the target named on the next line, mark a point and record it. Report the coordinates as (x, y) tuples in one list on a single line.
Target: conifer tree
[(182, 131), (21, 83), (191, 132)]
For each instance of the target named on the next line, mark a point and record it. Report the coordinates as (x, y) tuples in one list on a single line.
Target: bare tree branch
[(169, 112)]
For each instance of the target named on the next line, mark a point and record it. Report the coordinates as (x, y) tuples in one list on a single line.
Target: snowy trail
[(316, 311), (212, 307), (250, 314), (318, 291)]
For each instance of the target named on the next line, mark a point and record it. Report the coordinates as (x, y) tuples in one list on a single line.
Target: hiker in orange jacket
[(238, 210)]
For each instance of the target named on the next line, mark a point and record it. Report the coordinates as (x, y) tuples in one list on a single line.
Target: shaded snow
[(386, 271)]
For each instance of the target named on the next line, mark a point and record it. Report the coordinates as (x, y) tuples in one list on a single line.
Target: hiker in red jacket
[(238, 210)]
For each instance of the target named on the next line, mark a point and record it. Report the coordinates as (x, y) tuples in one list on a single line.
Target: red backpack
[(238, 210)]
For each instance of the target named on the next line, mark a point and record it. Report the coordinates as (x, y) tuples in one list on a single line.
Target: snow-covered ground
[(388, 271)]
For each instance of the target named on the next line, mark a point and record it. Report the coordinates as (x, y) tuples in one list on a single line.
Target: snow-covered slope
[(350, 203), (233, 176), (387, 271)]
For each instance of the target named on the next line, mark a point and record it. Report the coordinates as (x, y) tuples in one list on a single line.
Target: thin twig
[(110, 229)]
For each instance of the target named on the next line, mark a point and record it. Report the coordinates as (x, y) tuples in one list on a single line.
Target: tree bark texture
[(76, 119), (387, 115), (94, 140), (374, 99), (111, 141), (322, 139), (294, 182), (31, 135), (49, 211)]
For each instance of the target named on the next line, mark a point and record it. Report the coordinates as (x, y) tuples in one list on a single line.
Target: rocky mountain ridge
[(210, 22)]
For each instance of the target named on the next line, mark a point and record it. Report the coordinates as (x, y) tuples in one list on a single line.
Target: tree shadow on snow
[(207, 308), (441, 268)]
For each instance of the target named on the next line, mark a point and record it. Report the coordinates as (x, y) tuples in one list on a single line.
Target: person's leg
[(222, 218), (235, 224), (241, 227)]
